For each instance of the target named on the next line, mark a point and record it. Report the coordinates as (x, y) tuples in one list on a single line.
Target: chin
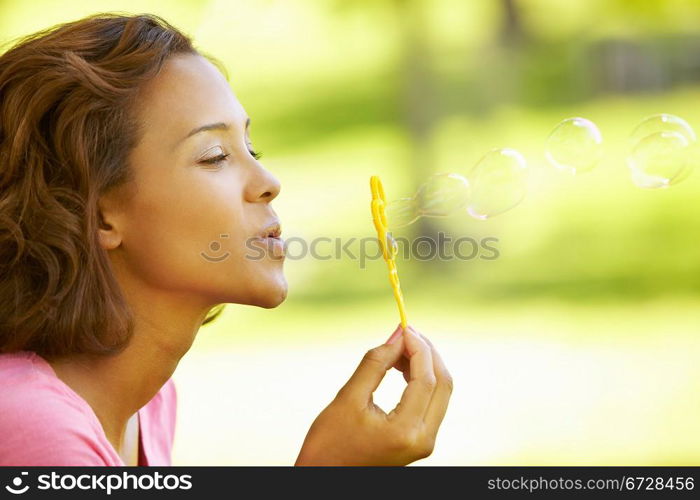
[(271, 296)]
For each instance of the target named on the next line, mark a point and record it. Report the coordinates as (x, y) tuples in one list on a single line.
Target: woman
[(123, 155)]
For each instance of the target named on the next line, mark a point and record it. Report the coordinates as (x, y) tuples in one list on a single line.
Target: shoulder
[(41, 423)]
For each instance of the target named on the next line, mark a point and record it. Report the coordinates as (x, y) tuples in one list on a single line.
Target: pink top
[(44, 422)]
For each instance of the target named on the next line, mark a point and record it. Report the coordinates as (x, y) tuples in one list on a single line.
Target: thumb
[(371, 370)]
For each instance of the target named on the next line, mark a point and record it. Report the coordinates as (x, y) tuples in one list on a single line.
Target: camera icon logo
[(17, 483), (214, 247)]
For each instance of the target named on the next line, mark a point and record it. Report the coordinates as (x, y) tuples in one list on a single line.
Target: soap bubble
[(442, 195), (661, 153), (662, 123), (401, 212), (498, 183), (660, 160), (575, 145)]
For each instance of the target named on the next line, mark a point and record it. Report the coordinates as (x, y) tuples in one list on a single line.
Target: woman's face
[(196, 217)]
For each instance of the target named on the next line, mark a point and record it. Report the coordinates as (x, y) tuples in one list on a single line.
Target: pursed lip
[(273, 230)]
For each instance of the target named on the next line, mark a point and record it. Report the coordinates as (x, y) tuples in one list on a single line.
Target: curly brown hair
[(66, 130)]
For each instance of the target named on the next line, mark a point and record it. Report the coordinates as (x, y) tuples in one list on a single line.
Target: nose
[(263, 186)]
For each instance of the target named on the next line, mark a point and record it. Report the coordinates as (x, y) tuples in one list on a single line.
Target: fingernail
[(394, 335)]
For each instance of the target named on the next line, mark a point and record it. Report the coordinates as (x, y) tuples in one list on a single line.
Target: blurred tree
[(416, 89), (512, 30), (416, 85), (420, 106)]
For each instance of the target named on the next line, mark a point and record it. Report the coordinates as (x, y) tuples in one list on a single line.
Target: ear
[(109, 231)]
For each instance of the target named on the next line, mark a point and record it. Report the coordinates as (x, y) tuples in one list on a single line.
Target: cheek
[(184, 232)]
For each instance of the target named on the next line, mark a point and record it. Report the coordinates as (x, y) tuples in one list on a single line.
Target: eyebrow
[(212, 126)]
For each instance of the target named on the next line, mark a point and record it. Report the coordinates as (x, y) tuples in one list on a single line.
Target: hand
[(352, 430)]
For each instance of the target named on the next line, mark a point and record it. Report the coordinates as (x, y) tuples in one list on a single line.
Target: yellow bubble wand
[(388, 251)]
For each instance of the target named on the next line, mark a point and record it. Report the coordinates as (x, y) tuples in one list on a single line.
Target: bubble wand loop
[(380, 223)]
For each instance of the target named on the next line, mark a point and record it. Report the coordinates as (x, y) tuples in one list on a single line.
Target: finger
[(371, 370), (416, 397), (404, 367), (397, 333), (443, 390)]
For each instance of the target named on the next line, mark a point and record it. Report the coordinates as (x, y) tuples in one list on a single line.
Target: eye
[(254, 154), (215, 160)]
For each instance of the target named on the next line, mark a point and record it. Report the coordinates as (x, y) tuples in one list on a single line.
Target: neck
[(117, 386)]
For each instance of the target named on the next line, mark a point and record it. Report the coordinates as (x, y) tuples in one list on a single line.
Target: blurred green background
[(578, 345)]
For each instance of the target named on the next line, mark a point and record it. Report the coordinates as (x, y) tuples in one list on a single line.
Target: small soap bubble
[(401, 212), (498, 183), (662, 123), (575, 145), (442, 195), (660, 160)]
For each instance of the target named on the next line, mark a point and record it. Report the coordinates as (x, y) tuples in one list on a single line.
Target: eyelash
[(218, 159), (215, 160)]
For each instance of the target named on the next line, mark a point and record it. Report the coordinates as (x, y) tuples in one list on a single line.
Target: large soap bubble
[(498, 183), (575, 145), (442, 195), (661, 154)]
